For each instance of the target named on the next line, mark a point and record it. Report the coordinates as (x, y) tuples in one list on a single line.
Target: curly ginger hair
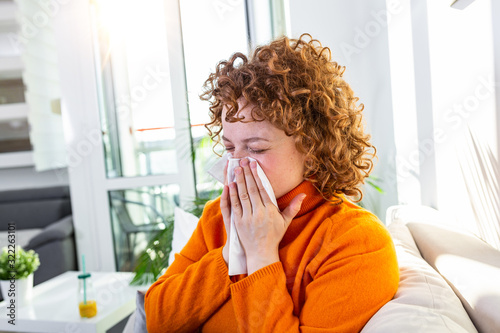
[(294, 84)]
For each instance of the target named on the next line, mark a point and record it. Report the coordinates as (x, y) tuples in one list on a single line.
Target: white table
[(54, 306)]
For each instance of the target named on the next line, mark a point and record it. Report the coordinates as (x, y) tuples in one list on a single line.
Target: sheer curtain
[(41, 78)]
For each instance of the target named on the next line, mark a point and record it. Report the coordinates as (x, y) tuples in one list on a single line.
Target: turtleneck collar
[(311, 201)]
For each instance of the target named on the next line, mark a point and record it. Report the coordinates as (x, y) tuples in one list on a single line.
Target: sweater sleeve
[(192, 289), (345, 291)]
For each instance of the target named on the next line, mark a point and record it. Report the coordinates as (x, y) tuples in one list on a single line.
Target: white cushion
[(184, 225), (470, 265), (424, 301), (414, 213)]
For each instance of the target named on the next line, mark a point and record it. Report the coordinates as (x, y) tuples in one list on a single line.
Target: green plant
[(153, 261), (18, 263), (154, 258), (372, 181), (371, 195)]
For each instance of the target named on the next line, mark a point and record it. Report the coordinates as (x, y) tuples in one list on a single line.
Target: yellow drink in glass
[(88, 310)]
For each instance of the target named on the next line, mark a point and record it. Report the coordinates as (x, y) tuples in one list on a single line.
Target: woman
[(315, 263)]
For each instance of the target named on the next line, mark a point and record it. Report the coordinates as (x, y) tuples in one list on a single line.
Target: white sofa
[(449, 279)]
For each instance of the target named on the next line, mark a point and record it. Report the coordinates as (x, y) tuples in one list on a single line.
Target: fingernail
[(237, 170), (253, 164), (244, 162)]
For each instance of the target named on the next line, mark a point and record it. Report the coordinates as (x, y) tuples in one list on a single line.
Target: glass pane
[(134, 87), (136, 215), (201, 54)]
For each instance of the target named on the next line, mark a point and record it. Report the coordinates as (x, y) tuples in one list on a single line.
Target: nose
[(240, 153)]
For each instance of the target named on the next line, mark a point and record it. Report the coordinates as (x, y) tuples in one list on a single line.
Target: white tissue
[(237, 258)]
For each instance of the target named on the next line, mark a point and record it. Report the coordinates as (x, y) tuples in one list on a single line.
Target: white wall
[(495, 13), (425, 79), (356, 32), (463, 97)]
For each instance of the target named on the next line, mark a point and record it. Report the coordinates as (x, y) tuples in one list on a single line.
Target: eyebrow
[(252, 139)]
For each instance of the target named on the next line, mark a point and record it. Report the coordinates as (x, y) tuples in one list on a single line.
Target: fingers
[(262, 191), (225, 204), (293, 208), (251, 185), (226, 216), (247, 192), (235, 200), (242, 190)]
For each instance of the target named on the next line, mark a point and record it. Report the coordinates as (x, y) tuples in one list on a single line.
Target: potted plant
[(16, 272)]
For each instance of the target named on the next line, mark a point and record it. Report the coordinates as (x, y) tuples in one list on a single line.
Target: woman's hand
[(225, 207), (260, 224)]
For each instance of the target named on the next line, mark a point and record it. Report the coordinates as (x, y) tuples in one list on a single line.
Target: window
[(138, 100)]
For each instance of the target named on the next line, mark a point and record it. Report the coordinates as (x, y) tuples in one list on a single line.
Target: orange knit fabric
[(338, 267)]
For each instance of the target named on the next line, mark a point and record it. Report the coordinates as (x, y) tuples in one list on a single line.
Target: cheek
[(268, 163), (270, 166), (278, 170)]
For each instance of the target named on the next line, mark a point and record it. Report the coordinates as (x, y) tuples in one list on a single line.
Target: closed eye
[(256, 151), (250, 150)]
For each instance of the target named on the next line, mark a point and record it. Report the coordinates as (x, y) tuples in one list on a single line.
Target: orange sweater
[(338, 267)]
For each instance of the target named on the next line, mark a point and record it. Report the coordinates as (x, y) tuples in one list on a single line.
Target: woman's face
[(276, 153)]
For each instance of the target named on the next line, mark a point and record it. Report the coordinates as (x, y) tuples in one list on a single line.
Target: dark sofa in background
[(49, 211)]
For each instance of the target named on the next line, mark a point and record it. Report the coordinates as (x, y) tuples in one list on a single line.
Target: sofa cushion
[(471, 267), (424, 301), (34, 208), (140, 313), (22, 237), (58, 230), (184, 225), (33, 194)]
